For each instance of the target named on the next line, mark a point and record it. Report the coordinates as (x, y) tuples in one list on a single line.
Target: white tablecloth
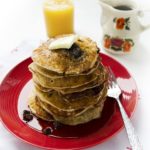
[(22, 19)]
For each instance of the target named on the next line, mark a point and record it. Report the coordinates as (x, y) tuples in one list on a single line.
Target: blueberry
[(26, 112), (27, 117), (75, 51), (47, 131)]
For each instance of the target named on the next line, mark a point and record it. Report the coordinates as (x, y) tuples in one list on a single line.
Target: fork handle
[(133, 138)]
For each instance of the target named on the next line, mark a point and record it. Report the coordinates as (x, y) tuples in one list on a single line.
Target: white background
[(21, 21)]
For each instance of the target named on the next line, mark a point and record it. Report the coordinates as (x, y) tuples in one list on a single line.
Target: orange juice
[(59, 17)]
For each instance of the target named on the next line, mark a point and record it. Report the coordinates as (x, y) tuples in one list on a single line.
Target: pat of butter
[(63, 42)]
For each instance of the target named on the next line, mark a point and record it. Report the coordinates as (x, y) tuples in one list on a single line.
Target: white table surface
[(21, 23)]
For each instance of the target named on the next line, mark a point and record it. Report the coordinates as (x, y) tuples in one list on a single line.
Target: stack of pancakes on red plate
[(70, 85)]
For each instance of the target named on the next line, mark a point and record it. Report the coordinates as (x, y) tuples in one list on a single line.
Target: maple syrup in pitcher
[(123, 7), (121, 25)]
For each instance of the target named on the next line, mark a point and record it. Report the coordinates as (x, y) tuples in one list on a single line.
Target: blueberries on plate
[(47, 131), (27, 116)]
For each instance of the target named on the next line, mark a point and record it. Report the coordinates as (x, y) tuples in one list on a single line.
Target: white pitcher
[(121, 25)]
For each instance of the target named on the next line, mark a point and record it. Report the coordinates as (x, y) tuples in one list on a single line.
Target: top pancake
[(63, 60)]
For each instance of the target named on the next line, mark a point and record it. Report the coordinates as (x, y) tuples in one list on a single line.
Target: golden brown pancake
[(67, 82), (61, 103), (51, 74), (44, 113), (84, 116), (61, 61), (64, 91), (37, 110)]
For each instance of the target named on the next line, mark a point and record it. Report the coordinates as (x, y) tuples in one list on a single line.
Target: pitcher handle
[(141, 14)]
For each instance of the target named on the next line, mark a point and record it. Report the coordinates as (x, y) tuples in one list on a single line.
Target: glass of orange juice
[(59, 17)]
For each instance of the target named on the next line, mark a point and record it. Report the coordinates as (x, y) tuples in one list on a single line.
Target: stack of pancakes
[(70, 84)]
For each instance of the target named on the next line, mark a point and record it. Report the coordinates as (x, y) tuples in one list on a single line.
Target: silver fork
[(114, 91)]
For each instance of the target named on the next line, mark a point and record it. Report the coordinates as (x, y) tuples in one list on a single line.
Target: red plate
[(13, 85)]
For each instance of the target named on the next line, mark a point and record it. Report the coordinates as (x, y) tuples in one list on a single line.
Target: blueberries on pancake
[(75, 51)]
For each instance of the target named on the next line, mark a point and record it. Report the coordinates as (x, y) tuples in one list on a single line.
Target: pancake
[(63, 83), (37, 110), (87, 115), (64, 105), (41, 112), (49, 109), (66, 82), (51, 74), (99, 80), (50, 59), (73, 112), (80, 96), (64, 91)]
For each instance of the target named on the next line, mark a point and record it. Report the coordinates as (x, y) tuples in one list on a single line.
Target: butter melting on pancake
[(79, 58)]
